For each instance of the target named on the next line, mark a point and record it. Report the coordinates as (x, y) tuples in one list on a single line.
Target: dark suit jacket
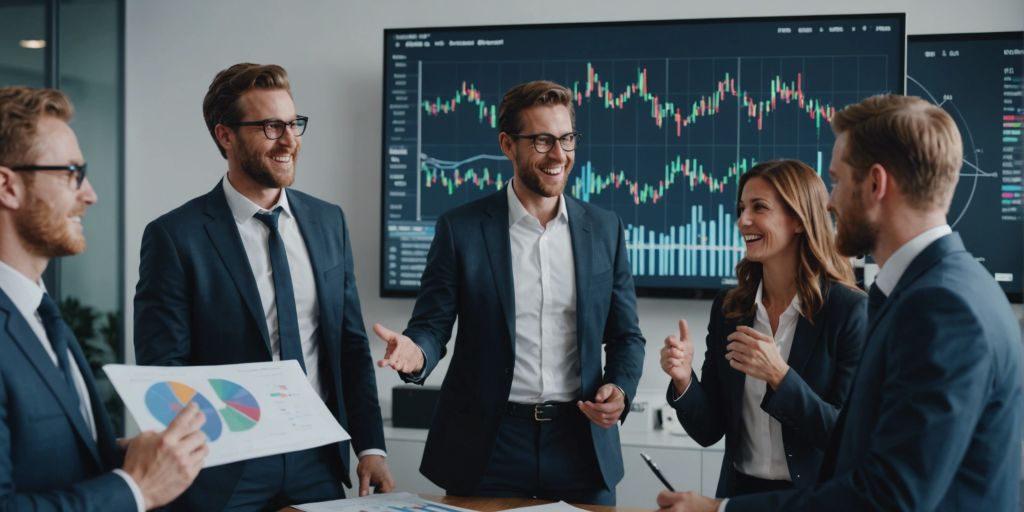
[(48, 459), (933, 421), (822, 361), (197, 304), (469, 276)]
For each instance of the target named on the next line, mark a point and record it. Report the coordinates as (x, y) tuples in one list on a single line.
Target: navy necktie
[(59, 334), (287, 317), (875, 300)]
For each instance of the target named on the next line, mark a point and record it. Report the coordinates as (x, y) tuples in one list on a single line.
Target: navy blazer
[(469, 276), (933, 421), (822, 361), (48, 459), (196, 303)]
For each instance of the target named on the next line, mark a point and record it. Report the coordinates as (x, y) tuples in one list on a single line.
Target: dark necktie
[(284, 294), (875, 300), (59, 334)]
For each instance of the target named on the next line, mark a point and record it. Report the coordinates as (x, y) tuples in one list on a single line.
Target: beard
[(45, 230), (530, 177), (255, 166), (855, 234)]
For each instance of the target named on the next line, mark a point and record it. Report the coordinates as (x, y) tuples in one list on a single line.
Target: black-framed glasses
[(543, 142), (77, 171), (274, 128)]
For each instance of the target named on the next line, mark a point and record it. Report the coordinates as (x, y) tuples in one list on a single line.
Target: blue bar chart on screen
[(671, 114)]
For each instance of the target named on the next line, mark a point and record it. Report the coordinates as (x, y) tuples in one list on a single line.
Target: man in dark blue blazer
[(254, 271), (539, 283), (933, 421), (57, 446)]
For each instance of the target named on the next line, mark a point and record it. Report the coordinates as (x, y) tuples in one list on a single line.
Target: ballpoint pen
[(657, 472)]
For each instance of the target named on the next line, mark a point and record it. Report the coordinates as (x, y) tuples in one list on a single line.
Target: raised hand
[(402, 354), (677, 358)]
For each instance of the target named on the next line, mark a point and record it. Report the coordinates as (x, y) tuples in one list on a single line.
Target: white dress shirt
[(27, 296), (889, 275), (547, 366), (762, 453), (256, 241)]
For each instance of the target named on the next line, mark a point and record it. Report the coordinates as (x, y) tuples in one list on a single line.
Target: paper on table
[(391, 502), (252, 409), (560, 506)]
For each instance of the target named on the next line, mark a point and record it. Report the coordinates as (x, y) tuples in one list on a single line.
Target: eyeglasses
[(543, 142), (76, 171), (274, 128)]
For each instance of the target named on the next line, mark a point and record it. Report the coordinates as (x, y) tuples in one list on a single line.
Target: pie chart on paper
[(243, 411), (166, 399)]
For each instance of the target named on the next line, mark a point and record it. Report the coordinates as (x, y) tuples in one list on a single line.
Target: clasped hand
[(756, 355)]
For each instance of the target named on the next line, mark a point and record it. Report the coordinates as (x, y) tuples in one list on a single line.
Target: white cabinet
[(686, 465)]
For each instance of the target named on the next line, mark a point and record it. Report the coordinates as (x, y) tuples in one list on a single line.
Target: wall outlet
[(670, 422)]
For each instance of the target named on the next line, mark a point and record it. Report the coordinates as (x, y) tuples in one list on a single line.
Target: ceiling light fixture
[(32, 44)]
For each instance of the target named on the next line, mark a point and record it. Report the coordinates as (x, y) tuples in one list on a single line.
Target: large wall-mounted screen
[(671, 114), (977, 79)]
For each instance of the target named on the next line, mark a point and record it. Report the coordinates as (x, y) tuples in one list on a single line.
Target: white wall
[(333, 51)]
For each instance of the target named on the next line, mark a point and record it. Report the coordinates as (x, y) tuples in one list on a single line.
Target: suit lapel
[(737, 379), (499, 253), (582, 253), (224, 236), (803, 343), (315, 238), (104, 430), (32, 348), (925, 260)]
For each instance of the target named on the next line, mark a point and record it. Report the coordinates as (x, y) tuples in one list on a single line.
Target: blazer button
[(790, 455)]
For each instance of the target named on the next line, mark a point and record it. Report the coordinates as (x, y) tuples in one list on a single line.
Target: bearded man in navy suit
[(933, 421), (256, 271), (57, 446)]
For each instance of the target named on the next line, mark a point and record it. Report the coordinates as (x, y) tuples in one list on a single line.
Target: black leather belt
[(546, 411)]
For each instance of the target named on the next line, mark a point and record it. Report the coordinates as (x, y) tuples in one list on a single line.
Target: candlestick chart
[(667, 128)]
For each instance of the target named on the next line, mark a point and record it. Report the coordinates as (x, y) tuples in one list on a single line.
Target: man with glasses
[(539, 283), (57, 446), (255, 271)]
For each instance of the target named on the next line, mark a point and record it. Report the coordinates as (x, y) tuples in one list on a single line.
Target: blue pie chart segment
[(166, 399)]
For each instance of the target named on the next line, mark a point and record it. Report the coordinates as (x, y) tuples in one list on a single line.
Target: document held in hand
[(252, 409)]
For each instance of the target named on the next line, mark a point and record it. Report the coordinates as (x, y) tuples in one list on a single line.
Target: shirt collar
[(516, 210), (897, 264), (242, 208), (25, 294), (794, 305)]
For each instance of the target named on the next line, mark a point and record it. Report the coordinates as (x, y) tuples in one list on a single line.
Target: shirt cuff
[(140, 500), (372, 451), (721, 506), (676, 399), (418, 376)]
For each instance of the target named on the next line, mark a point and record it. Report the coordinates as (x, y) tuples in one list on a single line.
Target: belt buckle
[(538, 415)]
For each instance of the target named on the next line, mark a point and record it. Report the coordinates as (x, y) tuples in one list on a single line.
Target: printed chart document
[(252, 409), (391, 502), (559, 506)]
